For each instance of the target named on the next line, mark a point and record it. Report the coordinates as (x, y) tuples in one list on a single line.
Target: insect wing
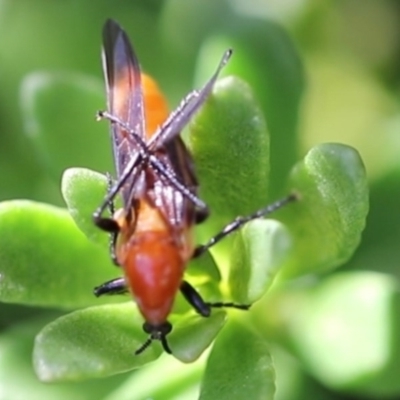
[(179, 210), (176, 160), (188, 107), (125, 96)]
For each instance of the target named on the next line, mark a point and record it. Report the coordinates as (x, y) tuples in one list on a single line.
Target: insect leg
[(113, 234), (240, 221), (220, 304), (194, 299), (170, 176), (115, 286), (109, 224), (202, 307), (115, 120)]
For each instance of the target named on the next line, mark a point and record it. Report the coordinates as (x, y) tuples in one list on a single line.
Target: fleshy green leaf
[(52, 103), (192, 334), (259, 250), (239, 367), (83, 190), (45, 259), (276, 84), (17, 378), (329, 217), (204, 267), (91, 343), (230, 145)]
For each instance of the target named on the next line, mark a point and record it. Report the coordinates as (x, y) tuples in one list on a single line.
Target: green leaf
[(239, 367), (91, 343), (45, 259), (327, 221), (259, 250), (59, 116), (271, 68), (83, 191), (17, 378), (230, 145), (344, 330), (204, 267), (192, 334)]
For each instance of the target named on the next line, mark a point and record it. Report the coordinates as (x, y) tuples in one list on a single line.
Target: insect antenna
[(144, 346), (149, 341), (165, 344)]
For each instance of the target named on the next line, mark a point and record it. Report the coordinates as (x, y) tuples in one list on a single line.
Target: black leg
[(107, 224), (229, 305), (115, 286), (240, 221), (194, 299), (202, 307), (113, 234)]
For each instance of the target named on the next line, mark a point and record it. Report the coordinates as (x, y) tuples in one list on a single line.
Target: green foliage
[(340, 328), (42, 114), (90, 343), (237, 352), (45, 260), (330, 217), (98, 341)]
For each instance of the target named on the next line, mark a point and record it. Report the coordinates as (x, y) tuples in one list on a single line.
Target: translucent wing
[(136, 101), (124, 94), (178, 210)]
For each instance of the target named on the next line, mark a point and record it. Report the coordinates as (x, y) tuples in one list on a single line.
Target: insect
[(151, 235)]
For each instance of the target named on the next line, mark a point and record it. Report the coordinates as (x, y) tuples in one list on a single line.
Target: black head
[(156, 332)]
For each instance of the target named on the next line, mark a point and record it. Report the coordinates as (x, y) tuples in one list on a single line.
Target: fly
[(152, 232)]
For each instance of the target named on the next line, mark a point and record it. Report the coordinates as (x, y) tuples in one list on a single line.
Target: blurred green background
[(335, 78)]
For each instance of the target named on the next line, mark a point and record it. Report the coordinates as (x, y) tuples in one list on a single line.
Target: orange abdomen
[(154, 270), (155, 105)]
